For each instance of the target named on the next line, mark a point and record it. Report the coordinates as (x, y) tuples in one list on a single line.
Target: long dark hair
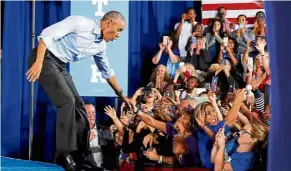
[(172, 36), (212, 25)]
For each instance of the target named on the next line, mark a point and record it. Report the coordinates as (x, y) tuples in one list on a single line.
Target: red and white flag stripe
[(233, 9)]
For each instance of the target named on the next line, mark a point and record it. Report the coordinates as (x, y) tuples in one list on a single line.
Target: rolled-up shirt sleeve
[(58, 30), (103, 65)]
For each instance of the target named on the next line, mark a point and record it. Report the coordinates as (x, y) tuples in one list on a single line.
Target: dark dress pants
[(72, 126)]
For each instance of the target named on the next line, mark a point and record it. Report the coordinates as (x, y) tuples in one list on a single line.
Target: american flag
[(233, 9)]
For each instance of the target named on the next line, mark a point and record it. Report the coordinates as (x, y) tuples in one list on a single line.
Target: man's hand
[(183, 18), (34, 72), (126, 101), (92, 135)]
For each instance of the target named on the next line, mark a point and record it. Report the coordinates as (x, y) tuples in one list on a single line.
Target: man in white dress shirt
[(70, 40), (184, 30)]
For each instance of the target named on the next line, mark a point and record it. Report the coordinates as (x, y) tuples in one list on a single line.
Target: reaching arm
[(152, 122), (112, 114), (219, 159), (232, 115)]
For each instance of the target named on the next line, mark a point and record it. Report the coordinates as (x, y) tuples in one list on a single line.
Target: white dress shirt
[(186, 32), (76, 38), (94, 144)]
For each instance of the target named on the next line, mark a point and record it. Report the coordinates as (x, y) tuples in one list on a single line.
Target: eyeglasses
[(243, 131)]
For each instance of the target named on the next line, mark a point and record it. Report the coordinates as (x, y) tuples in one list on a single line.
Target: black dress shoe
[(89, 164), (66, 161)]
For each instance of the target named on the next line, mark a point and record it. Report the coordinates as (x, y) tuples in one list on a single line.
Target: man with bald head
[(70, 40)]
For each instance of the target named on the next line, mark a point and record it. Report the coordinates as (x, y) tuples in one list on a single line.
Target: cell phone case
[(214, 83)]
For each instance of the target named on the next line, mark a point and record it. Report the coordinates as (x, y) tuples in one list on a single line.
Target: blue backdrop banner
[(85, 73)]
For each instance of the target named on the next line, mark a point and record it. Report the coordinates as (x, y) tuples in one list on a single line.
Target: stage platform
[(24, 165)]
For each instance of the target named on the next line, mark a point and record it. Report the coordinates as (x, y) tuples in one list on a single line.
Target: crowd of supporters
[(207, 103)]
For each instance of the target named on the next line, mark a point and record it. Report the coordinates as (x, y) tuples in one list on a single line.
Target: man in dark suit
[(101, 140)]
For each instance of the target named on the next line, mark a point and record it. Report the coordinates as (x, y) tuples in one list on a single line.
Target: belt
[(49, 54)]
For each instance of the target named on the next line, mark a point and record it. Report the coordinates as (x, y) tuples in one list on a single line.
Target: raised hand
[(162, 46), (110, 111), (124, 117)]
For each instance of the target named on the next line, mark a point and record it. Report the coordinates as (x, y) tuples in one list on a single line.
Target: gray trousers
[(72, 126)]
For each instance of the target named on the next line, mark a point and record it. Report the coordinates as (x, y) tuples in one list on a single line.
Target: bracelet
[(119, 93), (161, 159)]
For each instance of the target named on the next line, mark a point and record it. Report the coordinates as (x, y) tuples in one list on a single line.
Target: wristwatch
[(119, 93)]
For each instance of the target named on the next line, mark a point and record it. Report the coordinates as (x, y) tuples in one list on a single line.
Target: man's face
[(242, 20), (191, 84), (90, 109), (191, 14), (112, 30)]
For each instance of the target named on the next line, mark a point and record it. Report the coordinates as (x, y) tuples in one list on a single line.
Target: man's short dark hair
[(193, 78), (242, 15), (113, 15), (221, 7), (259, 13), (190, 8)]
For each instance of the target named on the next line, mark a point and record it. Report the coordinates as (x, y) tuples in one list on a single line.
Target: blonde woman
[(244, 157), (159, 78)]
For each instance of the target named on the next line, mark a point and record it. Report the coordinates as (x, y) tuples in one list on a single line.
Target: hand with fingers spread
[(34, 72), (110, 112), (124, 117)]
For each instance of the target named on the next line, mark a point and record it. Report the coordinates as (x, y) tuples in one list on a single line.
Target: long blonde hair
[(166, 76), (258, 130)]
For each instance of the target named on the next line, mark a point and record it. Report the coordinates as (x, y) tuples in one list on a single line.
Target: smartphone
[(147, 90), (130, 117), (165, 40), (181, 64), (201, 99), (214, 84), (224, 61), (261, 16), (194, 40), (207, 86)]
